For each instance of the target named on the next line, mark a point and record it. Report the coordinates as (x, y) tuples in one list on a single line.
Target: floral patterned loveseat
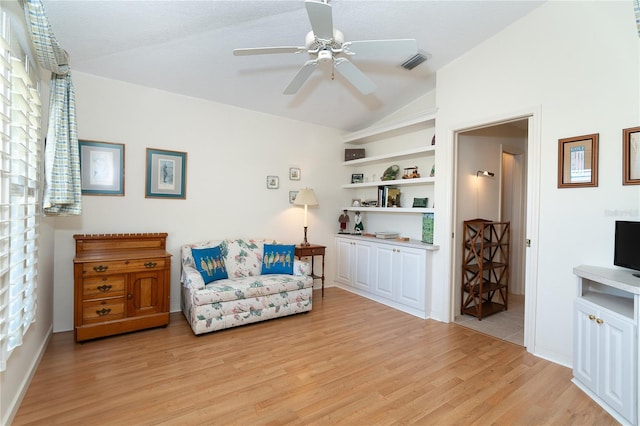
[(247, 295)]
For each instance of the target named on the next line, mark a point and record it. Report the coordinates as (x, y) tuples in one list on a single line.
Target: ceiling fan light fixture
[(415, 60), (325, 56)]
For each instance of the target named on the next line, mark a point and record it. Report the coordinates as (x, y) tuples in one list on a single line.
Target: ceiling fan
[(325, 44)]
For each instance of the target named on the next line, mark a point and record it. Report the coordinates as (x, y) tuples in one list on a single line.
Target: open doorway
[(500, 150)]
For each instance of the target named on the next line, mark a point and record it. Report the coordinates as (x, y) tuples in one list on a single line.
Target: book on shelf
[(387, 235), (388, 196)]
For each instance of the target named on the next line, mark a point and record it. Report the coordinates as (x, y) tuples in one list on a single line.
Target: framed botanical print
[(166, 174), (101, 168), (578, 161)]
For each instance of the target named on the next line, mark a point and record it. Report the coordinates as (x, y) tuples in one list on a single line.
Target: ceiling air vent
[(415, 60)]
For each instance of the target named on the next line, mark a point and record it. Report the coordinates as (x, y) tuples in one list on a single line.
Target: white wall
[(578, 63), (230, 152)]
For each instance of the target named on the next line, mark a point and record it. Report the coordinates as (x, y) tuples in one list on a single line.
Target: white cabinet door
[(618, 371), (585, 358), (363, 266), (344, 261), (604, 356), (411, 276), (384, 261)]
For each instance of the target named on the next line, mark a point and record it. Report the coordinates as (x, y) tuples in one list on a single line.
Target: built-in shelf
[(390, 209), (399, 155), (360, 136), (396, 182)]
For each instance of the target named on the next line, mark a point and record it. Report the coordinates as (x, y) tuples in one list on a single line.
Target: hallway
[(506, 325)]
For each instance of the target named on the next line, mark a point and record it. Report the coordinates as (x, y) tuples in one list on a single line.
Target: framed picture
[(292, 196), (294, 173), (273, 182), (420, 202), (578, 161), (357, 178), (631, 156), (101, 168), (166, 174)]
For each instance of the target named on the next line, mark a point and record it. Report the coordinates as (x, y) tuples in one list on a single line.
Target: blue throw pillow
[(210, 263), (278, 259)]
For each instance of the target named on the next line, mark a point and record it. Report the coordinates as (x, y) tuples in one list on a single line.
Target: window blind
[(20, 191)]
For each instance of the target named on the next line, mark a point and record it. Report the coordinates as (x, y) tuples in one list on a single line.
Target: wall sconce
[(306, 197), (483, 173)]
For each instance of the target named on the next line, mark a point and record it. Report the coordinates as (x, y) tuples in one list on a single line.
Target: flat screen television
[(627, 245)]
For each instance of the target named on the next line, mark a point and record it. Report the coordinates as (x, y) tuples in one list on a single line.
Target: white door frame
[(533, 115)]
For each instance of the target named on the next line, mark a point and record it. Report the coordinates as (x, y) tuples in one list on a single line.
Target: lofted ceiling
[(186, 47)]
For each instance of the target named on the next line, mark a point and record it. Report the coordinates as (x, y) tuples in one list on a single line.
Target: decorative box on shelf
[(353, 154)]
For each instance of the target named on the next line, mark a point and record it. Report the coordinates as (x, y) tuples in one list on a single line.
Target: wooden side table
[(312, 250)]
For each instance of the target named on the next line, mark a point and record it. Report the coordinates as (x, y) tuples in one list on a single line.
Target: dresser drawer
[(99, 287), (120, 266), (102, 310)]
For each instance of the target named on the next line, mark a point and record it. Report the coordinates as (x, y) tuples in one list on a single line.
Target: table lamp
[(306, 197)]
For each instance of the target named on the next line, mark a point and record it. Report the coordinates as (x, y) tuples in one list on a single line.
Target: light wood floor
[(349, 361)]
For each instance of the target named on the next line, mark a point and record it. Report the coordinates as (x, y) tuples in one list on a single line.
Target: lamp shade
[(306, 197)]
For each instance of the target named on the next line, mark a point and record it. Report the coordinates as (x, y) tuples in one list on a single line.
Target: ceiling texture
[(186, 47)]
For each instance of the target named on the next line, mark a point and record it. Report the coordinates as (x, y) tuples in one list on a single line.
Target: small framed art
[(166, 174), (294, 173), (292, 196), (101, 168), (578, 161), (273, 182), (631, 156), (357, 178)]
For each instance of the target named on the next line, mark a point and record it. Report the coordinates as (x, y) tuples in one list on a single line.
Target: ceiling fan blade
[(268, 50), (320, 18), (300, 78), (354, 76), (399, 47)]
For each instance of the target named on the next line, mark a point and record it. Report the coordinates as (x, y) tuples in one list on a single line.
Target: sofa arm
[(191, 278), (301, 267)]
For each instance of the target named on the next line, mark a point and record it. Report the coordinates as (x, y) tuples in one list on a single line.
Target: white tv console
[(606, 339)]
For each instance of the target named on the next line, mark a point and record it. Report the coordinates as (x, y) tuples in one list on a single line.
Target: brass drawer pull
[(104, 288), (150, 265), (100, 268), (104, 311)]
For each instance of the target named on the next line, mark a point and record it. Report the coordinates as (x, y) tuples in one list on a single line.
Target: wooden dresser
[(122, 283)]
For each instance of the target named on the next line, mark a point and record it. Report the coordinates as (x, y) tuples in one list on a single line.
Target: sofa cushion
[(278, 259), (247, 287), (210, 263), (243, 257)]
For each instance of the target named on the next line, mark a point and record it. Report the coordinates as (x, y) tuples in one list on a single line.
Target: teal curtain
[(62, 189)]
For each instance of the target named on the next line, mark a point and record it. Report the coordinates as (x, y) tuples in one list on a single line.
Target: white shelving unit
[(379, 134), (362, 136), (400, 155)]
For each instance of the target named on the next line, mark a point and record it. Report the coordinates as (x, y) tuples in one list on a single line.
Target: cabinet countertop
[(411, 243), (621, 279)]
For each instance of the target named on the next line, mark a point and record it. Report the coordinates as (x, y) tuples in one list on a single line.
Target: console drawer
[(100, 287), (119, 266), (103, 310)]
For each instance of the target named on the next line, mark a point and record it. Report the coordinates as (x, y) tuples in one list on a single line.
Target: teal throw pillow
[(210, 263), (278, 259)]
